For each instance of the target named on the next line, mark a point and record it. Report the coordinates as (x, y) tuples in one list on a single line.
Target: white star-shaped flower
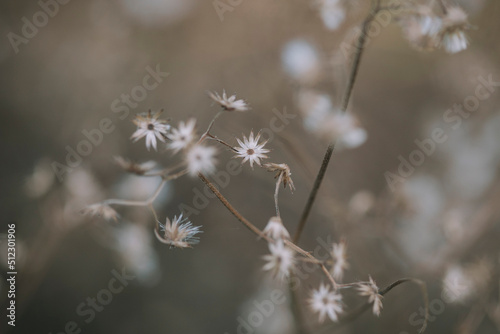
[(326, 302), (183, 136), (150, 126), (250, 149)]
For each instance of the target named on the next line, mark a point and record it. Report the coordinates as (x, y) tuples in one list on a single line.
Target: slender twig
[(259, 233), (231, 209), (360, 45), (221, 142), (165, 171), (313, 259), (204, 135), (276, 191)]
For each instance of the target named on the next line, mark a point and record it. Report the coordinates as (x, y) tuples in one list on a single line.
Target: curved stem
[(231, 209), (360, 45)]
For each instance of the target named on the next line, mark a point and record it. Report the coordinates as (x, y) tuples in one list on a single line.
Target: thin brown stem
[(259, 233), (231, 209), (276, 192), (220, 141), (204, 135), (360, 46)]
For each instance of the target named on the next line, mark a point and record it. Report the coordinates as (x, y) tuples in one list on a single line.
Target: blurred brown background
[(65, 79)]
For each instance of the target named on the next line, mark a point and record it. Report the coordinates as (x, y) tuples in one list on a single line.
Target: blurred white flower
[(361, 203), (281, 260), (183, 136), (229, 103), (461, 283), (38, 183), (315, 107), (140, 188), (326, 302), (301, 60), (332, 13), (201, 159), (275, 229), (453, 37), (158, 12), (344, 128), (250, 149), (134, 167), (339, 260), (101, 210), (133, 243)]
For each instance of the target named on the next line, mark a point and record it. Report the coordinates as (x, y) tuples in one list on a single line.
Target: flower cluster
[(427, 30)]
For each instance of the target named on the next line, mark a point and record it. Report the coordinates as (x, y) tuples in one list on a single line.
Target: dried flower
[(339, 260), (275, 229), (283, 172), (251, 150), (422, 28), (150, 126), (453, 37), (201, 159), (135, 168), (178, 232), (183, 136), (326, 302), (281, 260), (371, 290), (462, 283), (229, 103), (101, 210)]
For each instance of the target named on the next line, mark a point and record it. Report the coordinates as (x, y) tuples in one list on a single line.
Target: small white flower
[(281, 260), (101, 210), (326, 302), (133, 167), (229, 103), (183, 136), (251, 150), (201, 159), (151, 127), (178, 232), (275, 229), (301, 61), (371, 290), (339, 260)]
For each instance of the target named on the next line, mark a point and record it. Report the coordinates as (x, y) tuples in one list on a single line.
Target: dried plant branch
[(361, 309), (259, 233)]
